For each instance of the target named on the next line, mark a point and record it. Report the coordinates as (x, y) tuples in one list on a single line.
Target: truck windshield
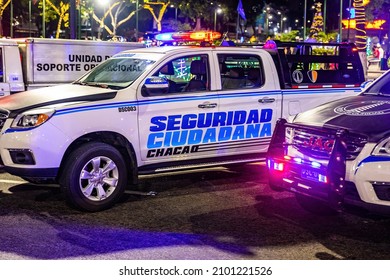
[(116, 73)]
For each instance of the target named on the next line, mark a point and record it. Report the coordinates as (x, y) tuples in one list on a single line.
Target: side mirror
[(155, 86), (366, 84)]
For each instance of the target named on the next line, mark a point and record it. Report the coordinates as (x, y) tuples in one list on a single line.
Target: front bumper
[(362, 182), (36, 173), (32, 153)]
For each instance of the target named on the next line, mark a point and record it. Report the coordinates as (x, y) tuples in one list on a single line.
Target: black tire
[(99, 166), (315, 206), (275, 187), (274, 184)]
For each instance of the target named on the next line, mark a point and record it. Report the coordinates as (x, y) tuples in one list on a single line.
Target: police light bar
[(205, 36), (166, 37), (194, 36)]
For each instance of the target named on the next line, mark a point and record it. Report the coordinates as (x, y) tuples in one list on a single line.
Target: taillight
[(274, 165)]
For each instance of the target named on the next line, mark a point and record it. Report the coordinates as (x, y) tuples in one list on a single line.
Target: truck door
[(250, 98), (4, 87), (178, 122)]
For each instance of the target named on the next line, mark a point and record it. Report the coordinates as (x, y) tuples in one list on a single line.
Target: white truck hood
[(53, 95)]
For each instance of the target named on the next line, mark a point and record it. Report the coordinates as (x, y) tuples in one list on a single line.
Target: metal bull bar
[(286, 172)]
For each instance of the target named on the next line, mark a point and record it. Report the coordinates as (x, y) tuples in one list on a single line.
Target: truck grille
[(320, 144), (312, 144)]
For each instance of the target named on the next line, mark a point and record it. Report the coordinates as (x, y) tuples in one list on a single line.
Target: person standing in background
[(379, 52)]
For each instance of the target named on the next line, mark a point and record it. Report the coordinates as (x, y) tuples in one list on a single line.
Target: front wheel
[(94, 177)]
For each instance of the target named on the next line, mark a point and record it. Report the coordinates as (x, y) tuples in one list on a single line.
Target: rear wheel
[(94, 177), (315, 206), (274, 184), (275, 187)]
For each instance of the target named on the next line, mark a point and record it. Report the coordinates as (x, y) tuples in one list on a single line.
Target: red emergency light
[(197, 36)]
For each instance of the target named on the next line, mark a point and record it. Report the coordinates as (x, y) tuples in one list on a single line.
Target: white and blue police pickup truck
[(337, 155), (164, 109)]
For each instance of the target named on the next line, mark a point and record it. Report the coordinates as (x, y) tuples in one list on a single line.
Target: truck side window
[(1, 66), (327, 64), (186, 74), (240, 71)]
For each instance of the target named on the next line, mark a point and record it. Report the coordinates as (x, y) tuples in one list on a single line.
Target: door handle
[(266, 100), (207, 105)]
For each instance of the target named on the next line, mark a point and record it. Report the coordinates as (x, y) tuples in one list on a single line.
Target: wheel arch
[(112, 138)]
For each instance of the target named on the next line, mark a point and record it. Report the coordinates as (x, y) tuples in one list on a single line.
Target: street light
[(281, 23), (29, 18), (136, 2), (103, 3), (324, 16), (268, 18), (136, 20), (304, 20), (43, 18), (173, 6), (282, 18), (340, 22), (217, 11), (349, 19), (12, 20), (73, 19)]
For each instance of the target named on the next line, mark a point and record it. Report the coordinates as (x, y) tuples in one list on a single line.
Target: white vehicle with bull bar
[(164, 109)]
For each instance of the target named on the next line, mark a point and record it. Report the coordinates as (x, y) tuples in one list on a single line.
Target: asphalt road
[(213, 214)]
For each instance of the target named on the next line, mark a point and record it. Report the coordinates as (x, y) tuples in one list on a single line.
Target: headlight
[(383, 148), (32, 118)]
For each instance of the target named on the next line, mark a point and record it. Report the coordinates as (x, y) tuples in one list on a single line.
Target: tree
[(326, 37), (361, 37), (288, 37), (153, 8), (318, 21), (195, 10), (203, 12), (3, 5), (56, 11), (253, 10), (376, 9), (114, 11), (175, 25), (62, 13)]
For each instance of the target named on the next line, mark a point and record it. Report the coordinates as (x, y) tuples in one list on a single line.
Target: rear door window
[(240, 71)]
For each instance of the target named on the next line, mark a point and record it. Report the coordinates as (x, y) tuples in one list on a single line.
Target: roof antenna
[(226, 43)]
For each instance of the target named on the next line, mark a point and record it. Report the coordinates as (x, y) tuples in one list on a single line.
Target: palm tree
[(361, 36)]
